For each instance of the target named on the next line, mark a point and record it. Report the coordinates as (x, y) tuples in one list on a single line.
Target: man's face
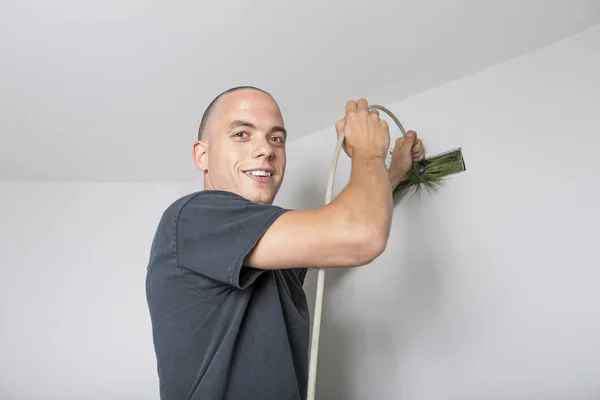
[(244, 151)]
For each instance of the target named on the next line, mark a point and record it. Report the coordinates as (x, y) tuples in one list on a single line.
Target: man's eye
[(276, 138), (240, 134)]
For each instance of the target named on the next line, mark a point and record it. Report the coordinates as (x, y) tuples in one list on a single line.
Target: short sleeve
[(216, 230)]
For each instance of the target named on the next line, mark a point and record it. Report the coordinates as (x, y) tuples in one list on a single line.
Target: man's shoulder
[(190, 213), (208, 207), (204, 197)]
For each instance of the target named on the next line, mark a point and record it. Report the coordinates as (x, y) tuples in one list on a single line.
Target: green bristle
[(430, 173)]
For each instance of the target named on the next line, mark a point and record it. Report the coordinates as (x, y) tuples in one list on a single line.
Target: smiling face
[(243, 146)]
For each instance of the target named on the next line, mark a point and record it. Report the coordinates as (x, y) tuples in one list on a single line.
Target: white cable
[(314, 346)]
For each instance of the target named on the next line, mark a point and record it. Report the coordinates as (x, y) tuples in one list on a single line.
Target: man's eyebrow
[(239, 123)]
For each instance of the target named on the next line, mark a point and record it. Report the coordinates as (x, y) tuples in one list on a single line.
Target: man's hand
[(366, 134), (407, 150)]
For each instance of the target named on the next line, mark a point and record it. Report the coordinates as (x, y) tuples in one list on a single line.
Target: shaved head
[(202, 130), (241, 144)]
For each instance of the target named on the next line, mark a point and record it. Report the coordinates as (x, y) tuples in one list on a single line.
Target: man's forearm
[(368, 195)]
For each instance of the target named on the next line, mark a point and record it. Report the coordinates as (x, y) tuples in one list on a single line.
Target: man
[(224, 281)]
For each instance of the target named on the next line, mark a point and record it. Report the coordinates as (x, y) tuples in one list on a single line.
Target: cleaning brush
[(427, 174)]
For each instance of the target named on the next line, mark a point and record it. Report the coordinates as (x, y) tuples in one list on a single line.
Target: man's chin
[(258, 197), (264, 195), (262, 199)]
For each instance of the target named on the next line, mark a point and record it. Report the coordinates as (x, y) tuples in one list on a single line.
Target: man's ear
[(200, 154)]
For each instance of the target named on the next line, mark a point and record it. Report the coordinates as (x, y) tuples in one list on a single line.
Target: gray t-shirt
[(222, 330)]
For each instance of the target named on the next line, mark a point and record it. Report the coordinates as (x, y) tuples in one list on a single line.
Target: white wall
[(73, 310), (489, 289)]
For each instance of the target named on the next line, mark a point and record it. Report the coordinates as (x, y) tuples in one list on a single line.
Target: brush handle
[(316, 331), (391, 115), (388, 160)]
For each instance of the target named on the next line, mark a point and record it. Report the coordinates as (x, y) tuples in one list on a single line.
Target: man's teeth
[(259, 173)]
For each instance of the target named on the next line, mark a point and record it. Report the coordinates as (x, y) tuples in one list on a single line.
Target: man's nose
[(262, 148)]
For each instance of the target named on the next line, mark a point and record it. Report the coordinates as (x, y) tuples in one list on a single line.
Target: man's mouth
[(260, 175), (258, 172)]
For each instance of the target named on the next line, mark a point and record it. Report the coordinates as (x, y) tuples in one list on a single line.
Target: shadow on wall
[(364, 333)]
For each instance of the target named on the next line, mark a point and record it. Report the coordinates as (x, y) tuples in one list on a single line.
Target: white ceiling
[(114, 90)]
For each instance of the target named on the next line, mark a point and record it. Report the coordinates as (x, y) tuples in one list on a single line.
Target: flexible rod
[(316, 331)]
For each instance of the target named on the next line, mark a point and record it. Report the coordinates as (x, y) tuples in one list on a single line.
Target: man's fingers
[(374, 113), (419, 156), (417, 147), (351, 106), (362, 105), (411, 136), (398, 143), (384, 125), (418, 152)]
